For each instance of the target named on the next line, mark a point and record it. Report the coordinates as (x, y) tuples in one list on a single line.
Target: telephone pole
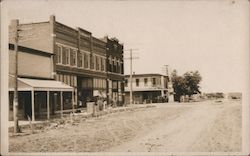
[(15, 102), (131, 70)]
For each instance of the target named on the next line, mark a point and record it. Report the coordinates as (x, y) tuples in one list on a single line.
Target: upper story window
[(126, 82), (97, 63), (92, 63), (72, 57), (80, 59), (154, 81), (118, 67), (145, 81), (102, 64), (86, 60), (65, 56), (122, 68), (110, 64), (114, 66), (58, 54), (137, 81)]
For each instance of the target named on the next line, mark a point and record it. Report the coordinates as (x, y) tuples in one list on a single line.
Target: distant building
[(149, 88), (234, 95)]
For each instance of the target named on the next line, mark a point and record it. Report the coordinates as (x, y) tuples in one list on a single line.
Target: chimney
[(165, 70), (52, 18)]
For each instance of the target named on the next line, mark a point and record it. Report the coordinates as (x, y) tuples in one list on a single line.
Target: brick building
[(115, 71), (74, 57)]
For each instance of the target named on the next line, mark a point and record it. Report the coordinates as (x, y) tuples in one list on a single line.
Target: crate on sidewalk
[(90, 107)]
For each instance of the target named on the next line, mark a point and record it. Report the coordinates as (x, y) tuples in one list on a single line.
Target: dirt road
[(207, 127), (188, 127)]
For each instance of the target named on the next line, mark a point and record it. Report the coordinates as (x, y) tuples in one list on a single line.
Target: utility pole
[(131, 70), (131, 90), (15, 102)]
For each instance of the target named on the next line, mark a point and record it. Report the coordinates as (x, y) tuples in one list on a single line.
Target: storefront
[(41, 98)]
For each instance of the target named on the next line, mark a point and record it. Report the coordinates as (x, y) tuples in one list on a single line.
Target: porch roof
[(25, 84)]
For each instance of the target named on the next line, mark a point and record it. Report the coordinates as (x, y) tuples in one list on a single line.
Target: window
[(72, 57), (122, 68), (110, 64), (137, 82), (67, 57), (80, 60), (58, 54), (118, 67), (86, 60), (114, 66), (93, 63), (102, 64), (63, 55), (145, 81), (154, 81), (97, 63), (126, 82)]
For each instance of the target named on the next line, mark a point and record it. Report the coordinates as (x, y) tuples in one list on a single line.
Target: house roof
[(145, 75)]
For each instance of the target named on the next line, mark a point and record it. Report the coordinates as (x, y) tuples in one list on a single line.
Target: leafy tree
[(188, 84), (192, 80)]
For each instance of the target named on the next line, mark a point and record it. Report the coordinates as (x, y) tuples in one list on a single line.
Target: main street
[(209, 126)]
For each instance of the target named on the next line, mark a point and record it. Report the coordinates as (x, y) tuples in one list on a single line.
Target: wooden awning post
[(33, 105), (61, 101), (73, 102), (48, 106)]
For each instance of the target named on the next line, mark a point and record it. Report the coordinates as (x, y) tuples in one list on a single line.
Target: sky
[(209, 36)]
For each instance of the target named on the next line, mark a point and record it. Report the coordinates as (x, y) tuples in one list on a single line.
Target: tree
[(188, 84), (179, 85), (192, 80)]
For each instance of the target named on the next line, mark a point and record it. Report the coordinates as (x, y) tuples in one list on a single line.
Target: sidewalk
[(25, 124)]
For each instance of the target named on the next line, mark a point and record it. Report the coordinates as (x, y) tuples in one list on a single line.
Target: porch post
[(33, 105), (73, 101), (48, 106), (61, 101)]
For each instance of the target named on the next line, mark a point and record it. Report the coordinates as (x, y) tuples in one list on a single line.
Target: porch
[(41, 98)]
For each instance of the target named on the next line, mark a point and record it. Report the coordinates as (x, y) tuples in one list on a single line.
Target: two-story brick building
[(115, 71), (38, 93), (74, 57)]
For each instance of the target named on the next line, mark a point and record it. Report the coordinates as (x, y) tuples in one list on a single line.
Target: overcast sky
[(209, 36)]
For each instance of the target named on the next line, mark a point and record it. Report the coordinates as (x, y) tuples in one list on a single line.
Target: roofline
[(34, 23), (147, 74)]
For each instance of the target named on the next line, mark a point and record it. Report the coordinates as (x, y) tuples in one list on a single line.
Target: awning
[(25, 84)]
